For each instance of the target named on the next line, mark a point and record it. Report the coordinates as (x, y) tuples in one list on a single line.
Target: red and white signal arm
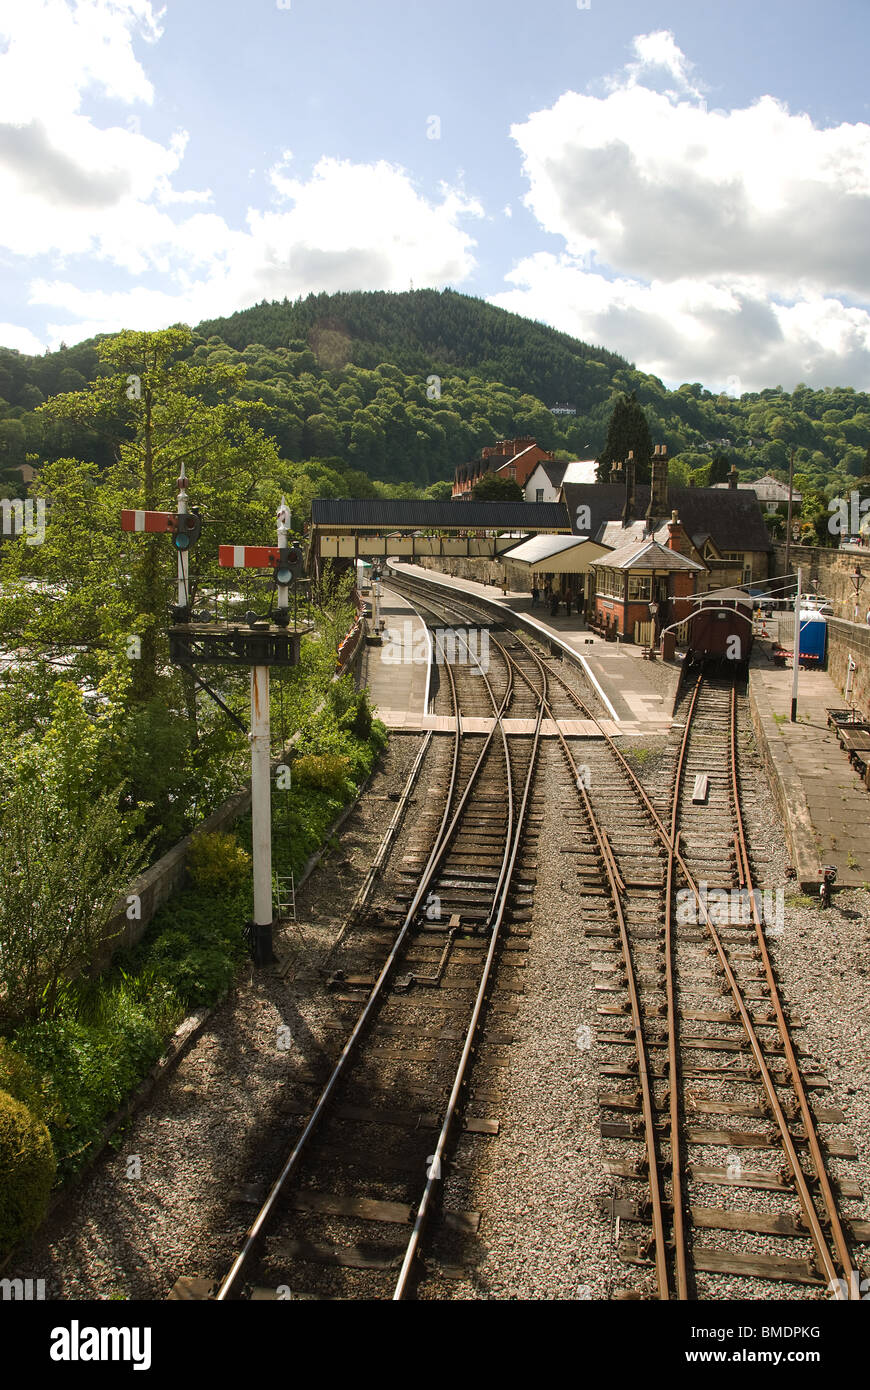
[(146, 521), (248, 557)]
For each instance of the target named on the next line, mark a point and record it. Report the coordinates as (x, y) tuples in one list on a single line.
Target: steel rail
[(674, 1070), (654, 1166), (494, 922), (811, 1217), (230, 1287), (809, 1123)]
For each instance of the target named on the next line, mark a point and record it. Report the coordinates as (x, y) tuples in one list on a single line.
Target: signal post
[(258, 643)]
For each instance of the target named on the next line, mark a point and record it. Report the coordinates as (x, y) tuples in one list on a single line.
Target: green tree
[(627, 431), (60, 877), (492, 488)]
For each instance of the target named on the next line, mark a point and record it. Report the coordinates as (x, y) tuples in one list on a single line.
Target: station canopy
[(556, 554)]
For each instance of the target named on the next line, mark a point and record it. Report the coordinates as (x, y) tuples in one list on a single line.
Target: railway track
[(370, 1154), (693, 1026)]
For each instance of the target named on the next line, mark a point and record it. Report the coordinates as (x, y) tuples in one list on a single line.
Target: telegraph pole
[(796, 659), (788, 522)]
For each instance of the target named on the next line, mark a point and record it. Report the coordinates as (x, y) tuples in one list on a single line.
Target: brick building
[(641, 572), (509, 458)]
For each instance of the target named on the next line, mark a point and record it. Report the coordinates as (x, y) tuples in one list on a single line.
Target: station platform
[(636, 691), (822, 799), (397, 688)]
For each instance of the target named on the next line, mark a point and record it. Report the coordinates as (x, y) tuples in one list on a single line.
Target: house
[(544, 482), (722, 529), (509, 458), (768, 490)]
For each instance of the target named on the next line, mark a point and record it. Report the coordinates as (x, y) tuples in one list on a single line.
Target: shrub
[(217, 863), (27, 1169), (325, 772), (25, 1084)]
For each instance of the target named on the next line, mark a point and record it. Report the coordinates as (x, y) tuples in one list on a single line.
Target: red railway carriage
[(720, 632)]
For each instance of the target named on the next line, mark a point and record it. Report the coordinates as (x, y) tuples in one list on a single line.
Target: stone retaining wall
[(832, 569)]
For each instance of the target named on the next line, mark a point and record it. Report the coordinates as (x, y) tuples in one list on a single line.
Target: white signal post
[(260, 557), (261, 801), (282, 574), (796, 659), (183, 554)]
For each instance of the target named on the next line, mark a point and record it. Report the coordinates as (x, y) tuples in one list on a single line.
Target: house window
[(539, 494)]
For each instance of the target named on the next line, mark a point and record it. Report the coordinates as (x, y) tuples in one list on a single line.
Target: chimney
[(674, 528), (628, 509), (658, 492), (733, 476), (616, 474)]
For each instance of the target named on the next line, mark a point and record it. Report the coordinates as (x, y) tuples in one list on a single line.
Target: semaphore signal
[(257, 643)]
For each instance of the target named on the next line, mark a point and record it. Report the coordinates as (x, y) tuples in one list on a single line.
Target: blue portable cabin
[(813, 637)]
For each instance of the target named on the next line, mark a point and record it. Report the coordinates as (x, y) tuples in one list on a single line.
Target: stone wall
[(832, 569), (480, 570), (846, 637)]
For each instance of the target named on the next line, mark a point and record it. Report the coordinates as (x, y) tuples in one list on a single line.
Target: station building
[(644, 586)]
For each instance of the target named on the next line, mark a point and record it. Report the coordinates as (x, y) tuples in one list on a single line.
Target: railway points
[(632, 694), (408, 1149)]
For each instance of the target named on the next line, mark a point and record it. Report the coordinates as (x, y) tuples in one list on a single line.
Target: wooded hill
[(370, 392)]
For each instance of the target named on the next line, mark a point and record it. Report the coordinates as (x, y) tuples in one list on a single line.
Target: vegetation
[(627, 432), (368, 394), (109, 753), (27, 1167), (492, 488)]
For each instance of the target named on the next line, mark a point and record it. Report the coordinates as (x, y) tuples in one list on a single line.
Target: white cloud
[(729, 233), (69, 189), (693, 330), (351, 226), (657, 54), (12, 335)]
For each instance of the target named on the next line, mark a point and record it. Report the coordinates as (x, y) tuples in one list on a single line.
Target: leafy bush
[(92, 1070), (27, 1169), (59, 882), (21, 1081), (217, 863), (325, 772), (195, 943)]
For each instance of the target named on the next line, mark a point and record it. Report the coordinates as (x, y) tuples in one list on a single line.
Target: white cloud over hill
[(699, 243), (70, 189)]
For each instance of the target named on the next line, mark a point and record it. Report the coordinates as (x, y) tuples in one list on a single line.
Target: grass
[(81, 1064), (799, 900)]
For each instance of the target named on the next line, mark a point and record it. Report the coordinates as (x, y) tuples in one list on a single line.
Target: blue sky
[(688, 184)]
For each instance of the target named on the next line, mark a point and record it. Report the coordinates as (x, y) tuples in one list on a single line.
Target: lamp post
[(857, 579), (653, 611)]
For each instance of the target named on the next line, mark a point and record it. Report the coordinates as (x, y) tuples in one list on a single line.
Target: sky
[(685, 183)]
